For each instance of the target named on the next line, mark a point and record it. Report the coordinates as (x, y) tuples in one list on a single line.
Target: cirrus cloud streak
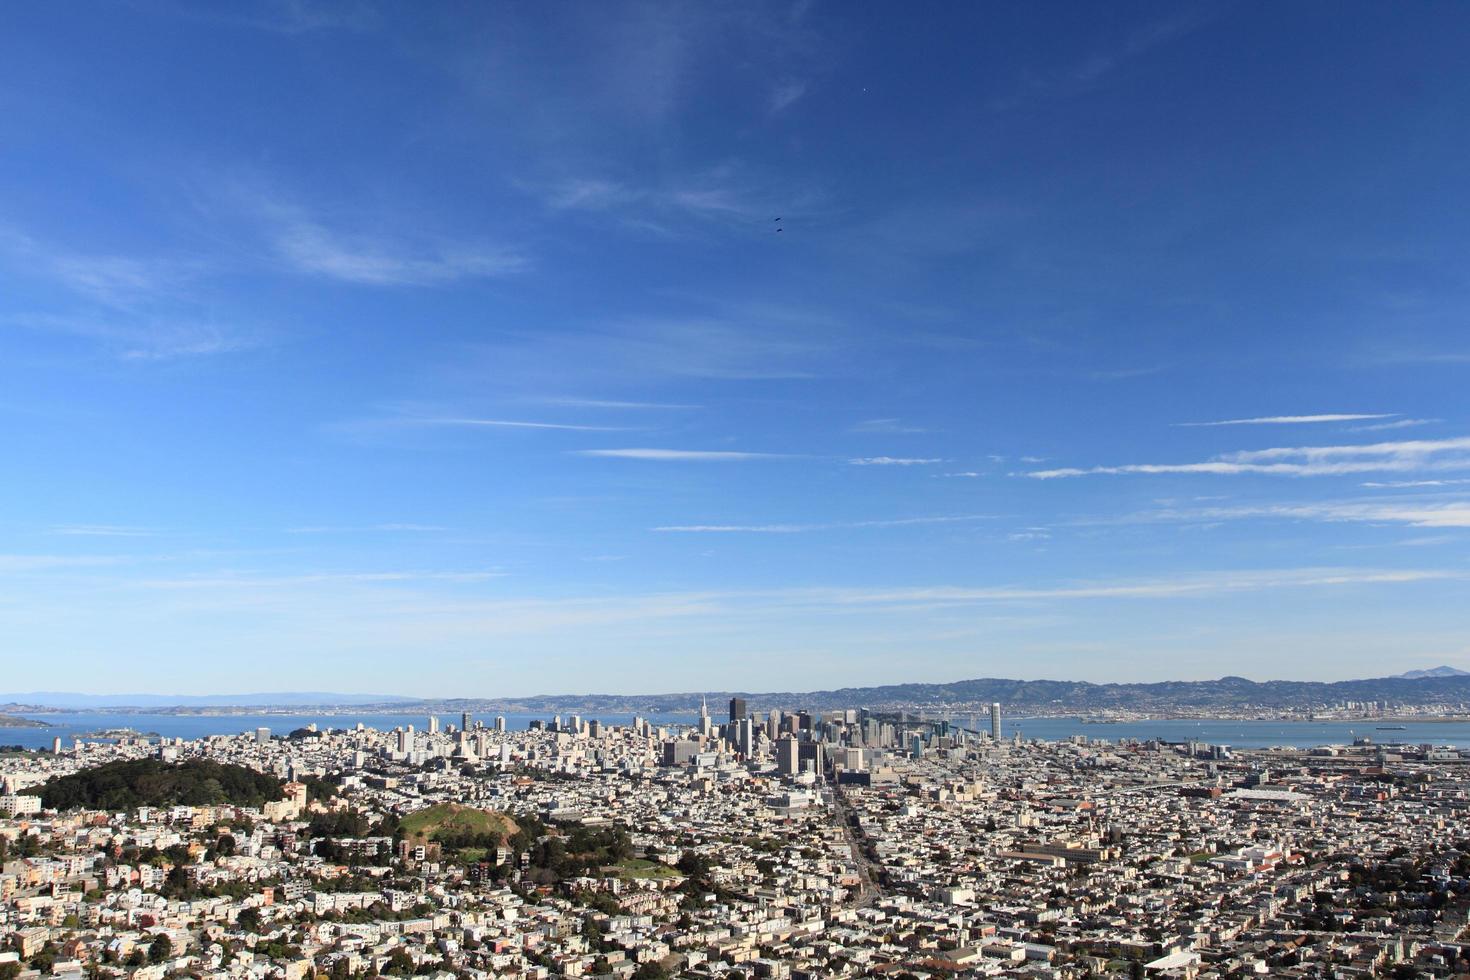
[(892, 461), (803, 528), (1381, 457), (1288, 420), (680, 455)]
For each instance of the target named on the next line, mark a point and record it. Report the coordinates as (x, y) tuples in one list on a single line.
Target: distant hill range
[(1438, 685), (1414, 675), (1029, 696)]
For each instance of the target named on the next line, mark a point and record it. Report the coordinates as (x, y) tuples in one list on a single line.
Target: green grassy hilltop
[(448, 823)]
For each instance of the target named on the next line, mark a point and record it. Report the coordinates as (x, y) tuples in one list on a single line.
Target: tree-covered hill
[(149, 782)]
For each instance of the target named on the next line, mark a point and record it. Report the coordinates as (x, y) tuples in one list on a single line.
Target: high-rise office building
[(811, 757), (679, 752), (788, 755), (995, 721), (464, 721), (737, 709), (262, 735), (745, 736), (433, 725), (500, 723)]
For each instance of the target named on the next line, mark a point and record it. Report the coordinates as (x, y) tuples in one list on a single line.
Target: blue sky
[(454, 349)]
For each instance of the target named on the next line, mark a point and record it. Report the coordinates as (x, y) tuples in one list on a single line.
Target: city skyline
[(760, 347)]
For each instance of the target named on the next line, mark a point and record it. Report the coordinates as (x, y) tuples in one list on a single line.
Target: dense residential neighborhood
[(843, 843)]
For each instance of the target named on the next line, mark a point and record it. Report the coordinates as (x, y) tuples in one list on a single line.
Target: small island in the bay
[(15, 721), (117, 733)]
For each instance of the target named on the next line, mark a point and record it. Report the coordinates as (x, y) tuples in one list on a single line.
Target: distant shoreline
[(15, 721)]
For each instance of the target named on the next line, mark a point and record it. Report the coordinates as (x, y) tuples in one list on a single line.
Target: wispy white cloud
[(143, 338), (512, 424), (138, 308), (37, 563), (176, 340), (1287, 420), (310, 248), (1453, 513), (452, 614), (718, 201), (1408, 456), (613, 403), (396, 587), (967, 474), (1407, 484), (587, 193), (283, 16), (786, 94), (1071, 79), (116, 280), (729, 198), (885, 427), (892, 461), (389, 527), (1381, 357), (422, 417), (717, 196), (1187, 586), (102, 531), (1399, 424), (738, 343), (226, 580), (357, 245), (681, 455), (1127, 373), (804, 528)]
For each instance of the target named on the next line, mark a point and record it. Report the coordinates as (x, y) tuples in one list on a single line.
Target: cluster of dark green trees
[(27, 846), (150, 782), (696, 869), (453, 840), (326, 829), (553, 859)]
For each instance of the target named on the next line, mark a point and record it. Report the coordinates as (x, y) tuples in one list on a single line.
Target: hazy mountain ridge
[(1439, 684), (1049, 695), (1441, 671)]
